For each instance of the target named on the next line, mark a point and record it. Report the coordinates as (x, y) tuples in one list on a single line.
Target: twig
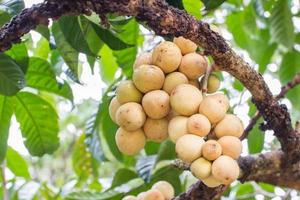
[(4, 186), (205, 79)]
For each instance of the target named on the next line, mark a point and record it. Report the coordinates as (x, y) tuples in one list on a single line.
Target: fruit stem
[(205, 80)]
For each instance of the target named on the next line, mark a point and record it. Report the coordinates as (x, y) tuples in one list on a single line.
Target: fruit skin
[(199, 125), (148, 77), (213, 83), (141, 195), (211, 150), (185, 99), (231, 146), (165, 188), (186, 46), (167, 56), (214, 107), (130, 143), (193, 65), (156, 104), (225, 169), (229, 125), (211, 181), (172, 80), (130, 116), (153, 194), (201, 168), (127, 92), (177, 127), (143, 59), (129, 197), (188, 147), (113, 107), (156, 129)]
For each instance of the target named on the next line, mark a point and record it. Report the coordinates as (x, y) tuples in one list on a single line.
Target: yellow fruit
[(199, 125), (130, 116), (130, 143), (113, 107), (195, 83), (165, 188), (214, 107), (193, 65), (188, 147), (143, 59), (201, 168), (156, 129), (185, 99), (167, 56), (211, 182), (177, 127), (156, 104), (141, 196), (225, 169), (231, 146), (130, 197), (153, 194), (213, 83), (229, 125), (211, 150), (186, 46), (127, 92), (172, 80)]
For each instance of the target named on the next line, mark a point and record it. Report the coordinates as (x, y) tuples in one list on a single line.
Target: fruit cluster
[(162, 190), (164, 100)]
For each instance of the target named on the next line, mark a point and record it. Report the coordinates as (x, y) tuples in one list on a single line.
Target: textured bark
[(165, 20)]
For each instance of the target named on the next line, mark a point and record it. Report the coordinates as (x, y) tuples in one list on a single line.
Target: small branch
[(4, 186), (250, 125), (205, 79)]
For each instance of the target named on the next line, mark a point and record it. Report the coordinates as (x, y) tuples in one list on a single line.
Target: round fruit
[(199, 125), (167, 56), (213, 83), (130, 116), (231, 146), (186, 46), (201, 168), (130, 143), (141, 195), (156, 129), (195, 83), (211, 182), (113, 107), (177, 127), (172, 80), (229, 125), (153, 194), (130, 197), (148, 77), (214, 107), (211, 150), (185, 99), (188, 147), (193, 65), (143, 59), (225, 169), (127, 92), (156, 104), (165, 188)]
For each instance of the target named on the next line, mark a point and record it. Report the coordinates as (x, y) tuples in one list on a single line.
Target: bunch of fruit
[(162, 190), (164, 100)]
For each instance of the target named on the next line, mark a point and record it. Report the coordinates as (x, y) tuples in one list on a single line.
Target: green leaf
[(41, 76), (256, 139), (110, 195), (44, 31), (166, 151), (16, 163), (67, 52), (83, 163), (6, 111), (109, 65), (11, 76), (212, 4), (38, 122), (176, 3), (290, 65), (193, 7), (123, 176), (267, 187), (9, 9), (282, 28), (245, 188), (18, 52), (42, 49)]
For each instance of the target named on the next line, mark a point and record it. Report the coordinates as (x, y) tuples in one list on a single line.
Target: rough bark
[(168, 21)]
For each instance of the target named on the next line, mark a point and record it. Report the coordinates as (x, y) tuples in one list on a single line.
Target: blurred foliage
[(39, 77)]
